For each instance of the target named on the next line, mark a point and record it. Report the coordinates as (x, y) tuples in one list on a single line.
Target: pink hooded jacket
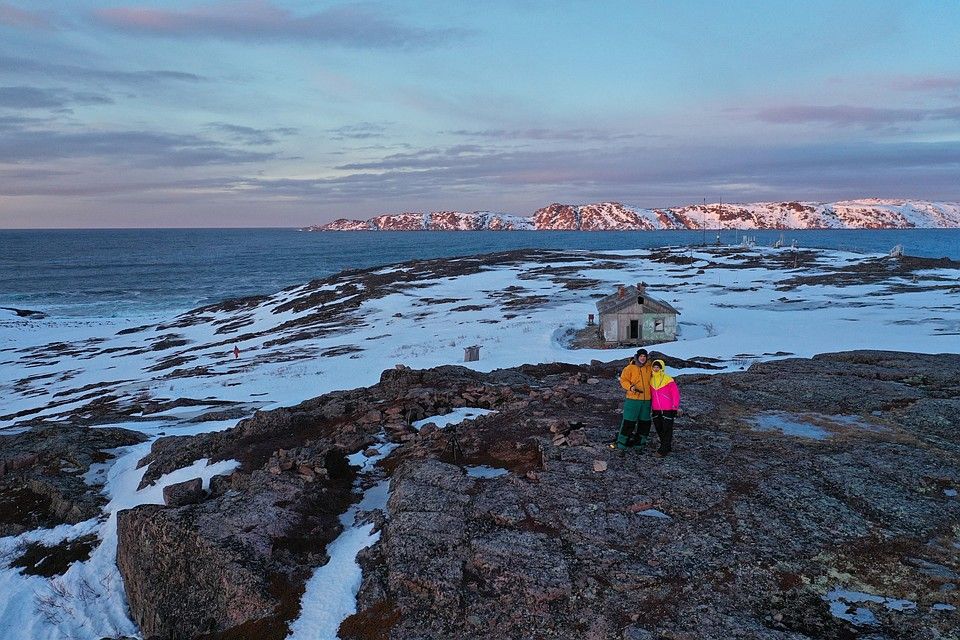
[(664, 392)]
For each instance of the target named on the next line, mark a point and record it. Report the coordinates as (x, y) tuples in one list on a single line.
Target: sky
[(275, 113)]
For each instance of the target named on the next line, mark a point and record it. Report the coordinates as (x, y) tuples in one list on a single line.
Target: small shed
[(632, 316)]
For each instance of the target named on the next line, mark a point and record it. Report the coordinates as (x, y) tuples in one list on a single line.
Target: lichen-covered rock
[(742, 531), (183, 493), (42, 474)]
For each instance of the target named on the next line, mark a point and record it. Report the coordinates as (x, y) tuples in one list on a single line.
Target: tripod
[(453, 446)]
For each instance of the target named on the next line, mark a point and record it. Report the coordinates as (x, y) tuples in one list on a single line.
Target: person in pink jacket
[(664, 405)]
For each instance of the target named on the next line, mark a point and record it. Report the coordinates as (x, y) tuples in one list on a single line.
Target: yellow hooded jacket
[(635, 380)]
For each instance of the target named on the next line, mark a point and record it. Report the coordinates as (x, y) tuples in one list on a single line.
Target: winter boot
[(641, 444), (642, 435), (627, 433)]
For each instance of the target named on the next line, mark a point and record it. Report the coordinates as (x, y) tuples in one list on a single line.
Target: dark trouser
[(663, 423), (635, 428)]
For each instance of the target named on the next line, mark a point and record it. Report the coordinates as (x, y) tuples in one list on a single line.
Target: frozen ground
[(737, 306)]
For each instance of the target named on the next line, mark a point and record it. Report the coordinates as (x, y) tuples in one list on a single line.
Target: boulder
[(183, 493)]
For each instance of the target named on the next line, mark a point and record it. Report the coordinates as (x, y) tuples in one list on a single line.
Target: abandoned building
[(632, 317)]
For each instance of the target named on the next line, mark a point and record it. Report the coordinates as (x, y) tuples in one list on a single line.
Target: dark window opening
[(658, 325), (634, 329)]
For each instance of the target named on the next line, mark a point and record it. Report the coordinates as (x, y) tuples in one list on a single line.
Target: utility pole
[(719, 220), (703, 221)]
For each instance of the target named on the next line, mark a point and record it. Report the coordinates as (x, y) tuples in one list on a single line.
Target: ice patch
[(950, 493), (940, 606), (483, 471), (788, 425), (456, 416), (653, 513), (841, 605)]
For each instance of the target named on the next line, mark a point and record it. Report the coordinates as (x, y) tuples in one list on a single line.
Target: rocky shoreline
[(792, 482)]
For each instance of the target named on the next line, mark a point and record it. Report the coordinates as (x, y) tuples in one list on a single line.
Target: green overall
[(634, 412)]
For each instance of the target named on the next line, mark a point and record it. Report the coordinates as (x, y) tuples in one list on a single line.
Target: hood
[(662, 379)]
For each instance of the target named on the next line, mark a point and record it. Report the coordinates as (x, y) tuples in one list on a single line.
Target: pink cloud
[(15, 17), (348, 25)]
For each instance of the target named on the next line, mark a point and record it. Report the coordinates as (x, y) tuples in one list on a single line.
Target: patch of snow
[(365, 463), (941, 606), (950, 493), (456, 416), (330, 595)]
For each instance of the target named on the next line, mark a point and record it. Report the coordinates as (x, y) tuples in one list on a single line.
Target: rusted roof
[(614, 303)]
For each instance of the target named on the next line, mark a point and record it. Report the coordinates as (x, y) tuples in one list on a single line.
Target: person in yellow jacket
[(635, 426)]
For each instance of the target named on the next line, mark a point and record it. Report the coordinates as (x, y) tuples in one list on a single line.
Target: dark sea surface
[(124, 273)]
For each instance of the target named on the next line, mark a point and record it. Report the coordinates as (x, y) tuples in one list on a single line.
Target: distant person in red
[(236, 351)]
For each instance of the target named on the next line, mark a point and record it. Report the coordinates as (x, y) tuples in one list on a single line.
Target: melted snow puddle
[(330, 595), (816, 427), (483, 471), (842, 605)]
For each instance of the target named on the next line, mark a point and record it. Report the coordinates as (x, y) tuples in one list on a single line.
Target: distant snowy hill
[(868, 213), (435, 221)]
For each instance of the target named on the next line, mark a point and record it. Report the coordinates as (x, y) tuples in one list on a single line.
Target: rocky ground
[(744, 532), (42, 475)]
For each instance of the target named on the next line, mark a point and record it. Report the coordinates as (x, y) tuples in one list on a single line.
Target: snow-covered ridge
[(433, 221), (869, 213)]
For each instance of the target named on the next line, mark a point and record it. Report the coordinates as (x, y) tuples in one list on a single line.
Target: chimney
[(641, 288), (621, 291)]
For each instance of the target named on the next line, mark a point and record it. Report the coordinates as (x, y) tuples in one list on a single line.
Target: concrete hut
[(632, 316)]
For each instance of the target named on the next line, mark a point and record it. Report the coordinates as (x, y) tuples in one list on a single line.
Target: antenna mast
[(719, 219)]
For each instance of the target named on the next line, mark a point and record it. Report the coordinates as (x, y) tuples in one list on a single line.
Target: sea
[(126, 273)]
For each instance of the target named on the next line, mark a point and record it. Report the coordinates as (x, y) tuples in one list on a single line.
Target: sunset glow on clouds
[(282, 113)]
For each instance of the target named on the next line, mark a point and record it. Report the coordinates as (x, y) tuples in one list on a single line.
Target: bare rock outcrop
[(42, 473), (789, 481), (742, 532)]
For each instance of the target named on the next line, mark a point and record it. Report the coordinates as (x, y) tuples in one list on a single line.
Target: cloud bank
[(356, 26)]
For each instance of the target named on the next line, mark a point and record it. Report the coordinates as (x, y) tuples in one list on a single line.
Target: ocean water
[(127, 273)]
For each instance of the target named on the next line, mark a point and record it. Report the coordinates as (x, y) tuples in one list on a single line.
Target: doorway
[(634, 329)]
